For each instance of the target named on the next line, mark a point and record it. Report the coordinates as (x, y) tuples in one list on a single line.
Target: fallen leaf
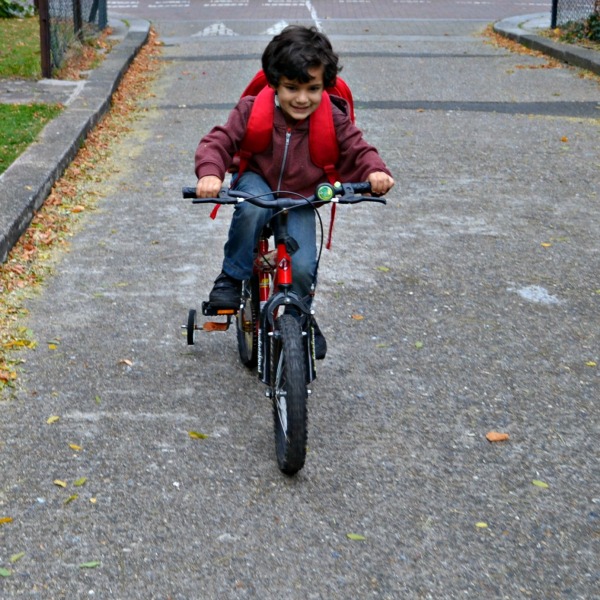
[(17, 557), (383, 269), (541, 484), (419, 345), (481, 525), (356, 537), (564, 138), (546, 244), (75, 447), (60, 483), (4, 572), (357, 317), (197, 435), (126, 361), (591, 363), (71, 498), (496, 436), (52, 419), (4, 520), (78, 208), (93, 500), (79, 482), (90, 565)]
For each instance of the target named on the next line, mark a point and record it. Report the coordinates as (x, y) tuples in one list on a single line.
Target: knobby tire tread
[(290, 448)]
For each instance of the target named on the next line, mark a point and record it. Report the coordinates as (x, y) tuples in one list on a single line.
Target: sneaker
[(226, 292), (320, 342)]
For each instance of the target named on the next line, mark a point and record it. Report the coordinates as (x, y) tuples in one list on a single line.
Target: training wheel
[(191, 326)]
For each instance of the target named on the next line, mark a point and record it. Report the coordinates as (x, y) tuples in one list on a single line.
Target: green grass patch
[(20, 124), (20, 48)]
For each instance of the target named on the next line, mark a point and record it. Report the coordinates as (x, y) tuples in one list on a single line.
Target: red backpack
[(322, 141)]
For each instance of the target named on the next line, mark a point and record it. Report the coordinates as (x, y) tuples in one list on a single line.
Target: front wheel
[(289, 394)]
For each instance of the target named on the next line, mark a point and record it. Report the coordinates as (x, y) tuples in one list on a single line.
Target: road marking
[(313, 15), (170, 4), (123, 4), (276, 29), (218, 3), (214, 30)]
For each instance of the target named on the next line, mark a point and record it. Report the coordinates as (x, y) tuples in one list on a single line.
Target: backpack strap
[(324, 150), (259, 129)]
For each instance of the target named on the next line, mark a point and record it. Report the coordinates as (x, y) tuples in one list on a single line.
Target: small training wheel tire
[(191, 326)]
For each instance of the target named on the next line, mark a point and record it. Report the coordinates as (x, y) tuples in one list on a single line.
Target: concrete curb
[(25, 185), (522, 30)]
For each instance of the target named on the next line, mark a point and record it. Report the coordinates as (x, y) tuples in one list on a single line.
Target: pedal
[(213, 311), (216, 325)]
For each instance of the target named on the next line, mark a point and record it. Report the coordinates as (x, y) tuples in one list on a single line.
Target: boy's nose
[(302, 97)]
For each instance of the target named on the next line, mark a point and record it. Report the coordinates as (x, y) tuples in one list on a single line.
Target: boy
[(299, 64)]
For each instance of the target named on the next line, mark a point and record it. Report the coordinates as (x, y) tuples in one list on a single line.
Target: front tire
[(289, 394)]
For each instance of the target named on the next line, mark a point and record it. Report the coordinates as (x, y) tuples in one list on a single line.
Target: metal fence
[(564, 11), (64, 21)]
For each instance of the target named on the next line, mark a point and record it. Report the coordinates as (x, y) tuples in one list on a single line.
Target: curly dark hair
[(297, 49)]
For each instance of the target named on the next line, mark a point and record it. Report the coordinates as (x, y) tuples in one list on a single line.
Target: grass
[(20, 58), (19, 126), (20, 48)]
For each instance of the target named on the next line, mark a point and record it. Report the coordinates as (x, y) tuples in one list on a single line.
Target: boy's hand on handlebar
[(381, 183), (208, 187)]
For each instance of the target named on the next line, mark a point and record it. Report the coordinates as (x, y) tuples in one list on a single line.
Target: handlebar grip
[(188, 192), (361, 188)]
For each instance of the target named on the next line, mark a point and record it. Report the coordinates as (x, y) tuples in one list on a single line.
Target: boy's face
[(299, 100)]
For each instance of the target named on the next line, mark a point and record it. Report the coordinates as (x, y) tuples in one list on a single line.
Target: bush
[(14, 8), (588, 29)]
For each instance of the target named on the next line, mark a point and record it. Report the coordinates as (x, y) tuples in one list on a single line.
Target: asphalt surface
[(468, 304)]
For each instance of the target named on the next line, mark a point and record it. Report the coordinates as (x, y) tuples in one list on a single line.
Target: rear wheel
[(247, 324), (289, 394)]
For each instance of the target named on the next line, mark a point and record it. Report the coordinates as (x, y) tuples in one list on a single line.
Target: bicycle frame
[(275, 292)]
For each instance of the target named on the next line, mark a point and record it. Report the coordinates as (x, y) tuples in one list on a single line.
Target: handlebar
[(342, 193)]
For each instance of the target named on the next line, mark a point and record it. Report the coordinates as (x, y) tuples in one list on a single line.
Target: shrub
[(588, 29), (14, 8)]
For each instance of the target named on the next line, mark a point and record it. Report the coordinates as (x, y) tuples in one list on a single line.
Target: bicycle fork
[(272, 304)]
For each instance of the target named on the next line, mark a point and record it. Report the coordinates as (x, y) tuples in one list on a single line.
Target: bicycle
[(275, 327)]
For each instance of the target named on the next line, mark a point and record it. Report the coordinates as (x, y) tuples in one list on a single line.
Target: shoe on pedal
[(226, 292)]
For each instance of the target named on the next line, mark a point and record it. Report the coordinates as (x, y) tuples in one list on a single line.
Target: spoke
[(280, 395)]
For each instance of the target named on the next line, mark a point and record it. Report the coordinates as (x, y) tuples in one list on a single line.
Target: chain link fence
[(65, 21), (564, 11)]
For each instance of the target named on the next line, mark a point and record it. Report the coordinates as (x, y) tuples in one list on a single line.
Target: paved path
[(478, 292)]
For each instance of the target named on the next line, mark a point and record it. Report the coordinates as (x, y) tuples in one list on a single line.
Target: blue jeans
[(246, 225)]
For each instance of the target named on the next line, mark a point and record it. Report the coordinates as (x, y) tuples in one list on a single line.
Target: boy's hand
[(381, 183), (208, 187)]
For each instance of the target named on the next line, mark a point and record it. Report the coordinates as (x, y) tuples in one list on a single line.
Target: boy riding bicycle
[(299, 64)]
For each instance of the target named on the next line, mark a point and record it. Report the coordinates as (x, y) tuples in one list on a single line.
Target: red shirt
[(358, 159)]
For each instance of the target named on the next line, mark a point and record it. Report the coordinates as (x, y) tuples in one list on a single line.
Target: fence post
[(554, 14), (46, 52), (77, 21)]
